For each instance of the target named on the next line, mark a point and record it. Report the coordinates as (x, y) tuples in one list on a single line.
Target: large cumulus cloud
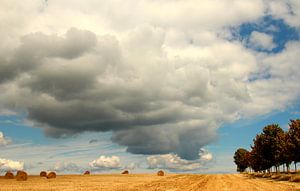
[(156, 105), (162, 83)]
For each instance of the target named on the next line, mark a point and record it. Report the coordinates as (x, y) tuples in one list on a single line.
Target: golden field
[(151, 182)]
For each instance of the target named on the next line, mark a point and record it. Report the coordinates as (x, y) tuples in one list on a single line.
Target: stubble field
[(135, 182)]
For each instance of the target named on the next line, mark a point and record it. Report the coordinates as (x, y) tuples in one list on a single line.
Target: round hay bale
[(160, 173), (43, 174), (125, 172), (21, 176), (51, 175), (9, 175), (87, 172)]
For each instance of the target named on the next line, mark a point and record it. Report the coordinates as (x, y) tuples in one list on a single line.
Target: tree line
[(271, 149)]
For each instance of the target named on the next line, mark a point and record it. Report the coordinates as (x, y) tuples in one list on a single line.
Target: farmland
[(135, 182)]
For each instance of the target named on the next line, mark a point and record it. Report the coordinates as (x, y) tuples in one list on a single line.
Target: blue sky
[(107, 88)]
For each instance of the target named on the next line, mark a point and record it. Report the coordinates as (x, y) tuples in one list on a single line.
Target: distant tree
[(286, 154), (272, 147), (258, 161), (294, 138), (273, 144), (240, 159)]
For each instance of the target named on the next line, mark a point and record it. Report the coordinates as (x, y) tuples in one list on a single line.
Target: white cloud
[(131, 166), (205, 156), (282, 78), (106, 163), (261, 41), (10, 165), (173, 162), (66, 167), (46, 156), (289, 10), (4, 140)]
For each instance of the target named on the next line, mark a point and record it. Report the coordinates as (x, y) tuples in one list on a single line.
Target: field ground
[(147, 182)]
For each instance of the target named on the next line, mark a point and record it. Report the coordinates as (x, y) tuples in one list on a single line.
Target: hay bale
[(51, 175), (43, 174), (21, 176), (125, 172), (9, 175), (160, 173), (87, 172)]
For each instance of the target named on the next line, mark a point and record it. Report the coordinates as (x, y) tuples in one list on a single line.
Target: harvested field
[(149, 182)]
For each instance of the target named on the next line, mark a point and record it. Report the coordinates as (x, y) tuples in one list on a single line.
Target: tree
[(294, 138), (273, 145), (240, 159), (258, 161)]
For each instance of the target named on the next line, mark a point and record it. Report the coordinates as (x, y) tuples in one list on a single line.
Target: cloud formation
[(66, 167), (261, 41), (106, 163), (161, 82), (4, 140), (173, 162), (10, 165)]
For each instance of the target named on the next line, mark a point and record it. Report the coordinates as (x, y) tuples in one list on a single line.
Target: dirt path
[(217, 183), (149, 182)]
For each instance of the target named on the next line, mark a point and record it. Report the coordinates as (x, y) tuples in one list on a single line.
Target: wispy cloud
[(4, 140)]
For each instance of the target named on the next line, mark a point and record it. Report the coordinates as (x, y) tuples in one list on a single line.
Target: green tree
[(240, 159), (294, 138), (258, 160), (273, 143), (286, 156)]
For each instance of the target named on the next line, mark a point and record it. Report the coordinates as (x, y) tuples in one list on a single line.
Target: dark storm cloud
[(152, 104), (36, 47), (184, 141)]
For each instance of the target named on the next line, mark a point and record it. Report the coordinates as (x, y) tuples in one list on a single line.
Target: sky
[(144, 85)]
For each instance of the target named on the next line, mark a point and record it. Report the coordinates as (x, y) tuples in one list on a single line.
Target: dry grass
[(259, 175), (295, 179), (267, 175), (284, 177), (275, 176), (146, 182)]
